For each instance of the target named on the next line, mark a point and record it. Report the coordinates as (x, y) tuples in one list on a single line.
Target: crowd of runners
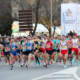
[(26, 48)]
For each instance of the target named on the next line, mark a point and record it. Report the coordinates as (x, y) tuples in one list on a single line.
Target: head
[(63, 37), (70, 37), (12, 40), (48, 38), (29, 37), (24, 39), (58, 37), (45, 36), (75, 36), (6, 39), (35, 36)]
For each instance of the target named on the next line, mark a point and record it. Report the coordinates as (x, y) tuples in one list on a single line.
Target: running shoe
[(72, 60), (71, 64), (51, 62), (36, 62), (27, 65), (21, 65), (12, 68), (6, 62), (13, 63), (77, 62), (59, 63), (56, 60), (64, 66), (48, 63), (41, 57), (42, 61), (46, 66), (24, 65), (19, 61)]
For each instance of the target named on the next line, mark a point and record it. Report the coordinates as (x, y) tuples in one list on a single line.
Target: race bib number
[(6, 49), (29, 48), (24, 48), (48, 46), (35, 45), (63, 47)]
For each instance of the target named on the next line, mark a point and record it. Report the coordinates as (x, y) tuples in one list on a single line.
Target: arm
[(1, 48), (52, 44), (17, 46)]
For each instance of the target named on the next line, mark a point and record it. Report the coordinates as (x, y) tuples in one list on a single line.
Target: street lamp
[(51, 17)]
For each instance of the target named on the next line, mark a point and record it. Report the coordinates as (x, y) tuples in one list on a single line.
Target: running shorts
[(75, 50), (58, 50), (42, 50), (54, 50), (64, 51), (6, 53), (49, 52), (29, 52), (69, 51), (14, 53)]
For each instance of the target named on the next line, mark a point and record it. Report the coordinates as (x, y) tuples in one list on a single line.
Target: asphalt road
[(38, 72)]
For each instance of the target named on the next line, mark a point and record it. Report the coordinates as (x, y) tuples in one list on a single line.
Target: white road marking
[(71, 70), (60, 76), (61, 79)]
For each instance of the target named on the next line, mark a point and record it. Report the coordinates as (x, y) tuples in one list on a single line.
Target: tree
[(56, 11), (5, 17), (35, 8)]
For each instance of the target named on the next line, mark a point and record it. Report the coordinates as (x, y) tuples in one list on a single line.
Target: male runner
[(70, 49), (19, 44), (7, 50), (29, 52), (42, 47), (14, 53), (49, 47), (24, 55), (36, 50), (63, 46), (75, 43)]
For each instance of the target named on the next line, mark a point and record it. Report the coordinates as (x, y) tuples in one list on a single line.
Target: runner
[(24, 55), (14, 53), (49, 47), (75, 47), (30, 44), (54, 49), (7, 50), (19, 44), (70, 50), (63, 46), (1, 49), (36, 50), (79, 46), (58, 50), (43, 49)]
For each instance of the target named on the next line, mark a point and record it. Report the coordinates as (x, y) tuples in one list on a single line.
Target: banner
[(78, 19), (15, 26), (68, 18)]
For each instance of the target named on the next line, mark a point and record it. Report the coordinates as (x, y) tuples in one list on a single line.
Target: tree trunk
[(35, 23), (54, 30), (37, 8), (49, 32)]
